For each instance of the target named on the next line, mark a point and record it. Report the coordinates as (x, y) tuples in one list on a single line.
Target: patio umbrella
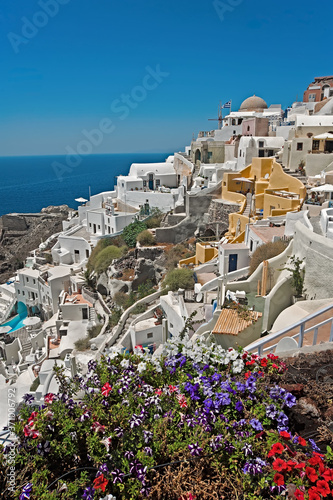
[(80, 200), (242, 180), (33, 320), (325, 188), (326, 135), (5, 329)]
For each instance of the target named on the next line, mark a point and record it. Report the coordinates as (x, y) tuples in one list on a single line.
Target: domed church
[(253, 103)]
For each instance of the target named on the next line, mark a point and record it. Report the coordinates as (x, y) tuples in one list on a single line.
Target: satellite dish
[(199, 297)]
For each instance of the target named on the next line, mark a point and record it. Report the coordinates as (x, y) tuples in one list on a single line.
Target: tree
[(179, 278), (131, 232), (298, 275)]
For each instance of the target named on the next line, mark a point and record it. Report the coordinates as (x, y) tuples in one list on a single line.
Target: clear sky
[(84, 57)]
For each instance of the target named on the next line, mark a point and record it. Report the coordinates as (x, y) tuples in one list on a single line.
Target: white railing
[(261, 346)]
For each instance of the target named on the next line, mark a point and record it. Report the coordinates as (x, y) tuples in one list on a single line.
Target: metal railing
[(261, 347)]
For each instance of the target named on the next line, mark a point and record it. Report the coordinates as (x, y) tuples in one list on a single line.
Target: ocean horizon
[(30, 183)]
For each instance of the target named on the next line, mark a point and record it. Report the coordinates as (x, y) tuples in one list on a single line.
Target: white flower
[(237, 366), (141, 367), (108, 497), (232, 354), (125, 363)]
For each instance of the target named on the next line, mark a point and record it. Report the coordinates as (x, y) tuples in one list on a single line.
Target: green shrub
[(35, 384), (105, 258), (82, 344), (115, 317), (94, 331), (155, 219), (101, 246), (146, 239), (139, 309), (121, 299), (179, 278), (176, 254), (131, 232), (266, 252), (145, 289)]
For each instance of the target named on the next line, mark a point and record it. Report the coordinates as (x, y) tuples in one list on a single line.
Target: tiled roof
[(230, 323)]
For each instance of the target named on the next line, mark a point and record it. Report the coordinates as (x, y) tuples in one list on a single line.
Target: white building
[(257, 147), (39, 290)]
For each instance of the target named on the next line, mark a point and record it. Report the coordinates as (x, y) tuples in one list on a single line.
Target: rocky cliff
[(22, 233)]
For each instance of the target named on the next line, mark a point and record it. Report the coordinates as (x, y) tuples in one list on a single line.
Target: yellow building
[(204, 252), (262, 190)]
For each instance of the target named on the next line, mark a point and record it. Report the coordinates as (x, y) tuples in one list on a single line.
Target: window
[(34, 281), (261, 144), (149, 335), (251, 245), (76, 252), (210, 154), (23, 292), (89, 224), (315, 145), (85, 313), (19, 291), (158, 182), (99, 227), (171, 325), (300, 146), (234, 132), (87, 254), (144, 184), (248, 128), (27, 280)]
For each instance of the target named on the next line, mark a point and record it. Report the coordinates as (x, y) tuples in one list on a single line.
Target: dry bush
[(265, 252)]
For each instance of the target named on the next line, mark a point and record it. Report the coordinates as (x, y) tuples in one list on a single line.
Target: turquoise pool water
[(16, 322)]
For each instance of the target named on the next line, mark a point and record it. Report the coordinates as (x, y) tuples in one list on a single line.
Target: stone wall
[(219, 211), (13, 223)]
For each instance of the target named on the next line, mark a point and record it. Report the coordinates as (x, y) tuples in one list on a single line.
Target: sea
[(30, 183)]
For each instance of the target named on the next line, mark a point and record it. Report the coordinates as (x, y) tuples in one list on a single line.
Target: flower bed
[(197, 423)]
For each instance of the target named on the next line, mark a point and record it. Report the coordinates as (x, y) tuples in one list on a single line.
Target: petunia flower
[(278, 479), (88, 493), (106, 389), (195, 449), (26, 492), (100, 483)]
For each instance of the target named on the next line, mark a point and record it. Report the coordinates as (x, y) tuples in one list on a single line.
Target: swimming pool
[(17, 322)]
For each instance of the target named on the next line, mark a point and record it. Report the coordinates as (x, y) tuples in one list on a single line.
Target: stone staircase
[(26, 348), (247, 210)]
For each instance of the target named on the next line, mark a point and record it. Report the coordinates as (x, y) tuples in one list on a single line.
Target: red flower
[(279, 464), (290, 465), (313, 494), (299, 495), (311, 473), (276, 448), (172, 388), (100, 483), (285, 434), (275, 366), (315, 460), (278, 479), (301, 441), (159, 392), (323, 488), (272, 356), (301, 465), (106, 389), (251, 362), (32, 416), (328, 475), (248, 374), (48, 398), (263, 362)]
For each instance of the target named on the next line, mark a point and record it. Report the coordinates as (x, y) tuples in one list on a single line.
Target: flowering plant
[(194, 420)]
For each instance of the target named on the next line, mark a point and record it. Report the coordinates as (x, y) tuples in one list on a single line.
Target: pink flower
[(106, 389), (172, 388), (97, 427), (48, 398), (182, 400), (159, 392)]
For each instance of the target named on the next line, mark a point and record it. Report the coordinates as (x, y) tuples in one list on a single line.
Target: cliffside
[(22, 233)]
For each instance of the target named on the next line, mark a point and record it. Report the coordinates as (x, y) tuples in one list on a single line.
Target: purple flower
[(223, 398), (247, 448), (147, 436), (254, 466), (239, 406), (289, 399), (271, 411), (85, 416), (43, 449), (119, 432), (257, 426), (103, 468), (117, 476), (28, 398), (26, 492), (215, 443), (92, 365), (88, 493), (313, 444), (148, 451), (135, 421), (129, 455), (195, 449), (229, 448)]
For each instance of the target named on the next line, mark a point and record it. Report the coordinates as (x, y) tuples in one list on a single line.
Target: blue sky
[(66, 75)]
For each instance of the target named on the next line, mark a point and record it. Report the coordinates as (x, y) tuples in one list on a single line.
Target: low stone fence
[(104, 306), (89, 295)]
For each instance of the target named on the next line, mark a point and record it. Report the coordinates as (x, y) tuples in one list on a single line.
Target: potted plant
[(298, 276)]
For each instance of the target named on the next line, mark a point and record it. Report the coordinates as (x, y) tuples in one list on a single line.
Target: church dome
[(253, 103)]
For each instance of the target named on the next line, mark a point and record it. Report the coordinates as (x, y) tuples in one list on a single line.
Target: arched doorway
[(197, 156)]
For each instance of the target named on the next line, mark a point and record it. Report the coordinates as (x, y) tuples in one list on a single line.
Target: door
[(233, 262), (151, 182)]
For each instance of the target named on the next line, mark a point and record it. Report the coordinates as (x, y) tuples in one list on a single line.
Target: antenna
[(219, 116)]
